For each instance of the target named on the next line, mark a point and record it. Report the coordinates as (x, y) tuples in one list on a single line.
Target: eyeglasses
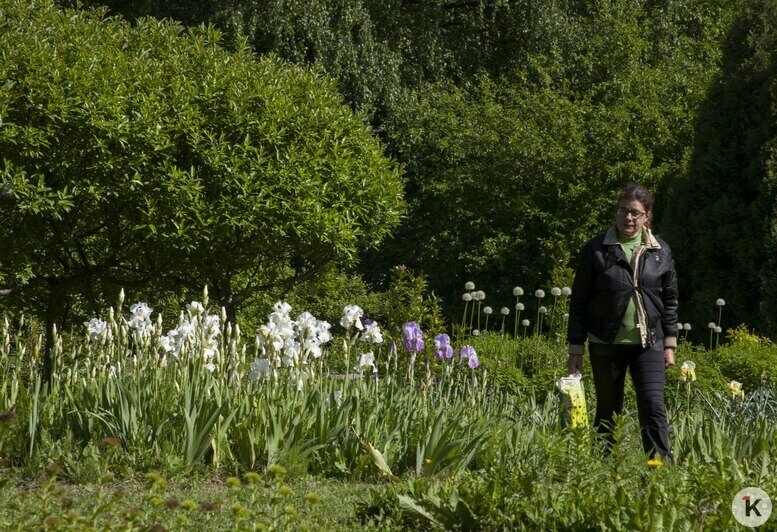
[(622, 211)]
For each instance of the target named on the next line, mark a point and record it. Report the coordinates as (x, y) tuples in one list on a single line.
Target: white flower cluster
[(370, 333), (288, 342), (95, 328), (352, 317), (141, 318), (197, 321)]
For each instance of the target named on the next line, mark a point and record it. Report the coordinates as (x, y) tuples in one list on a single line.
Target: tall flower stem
[(537, 327), (688, 398), (517, 314), (553, 313)]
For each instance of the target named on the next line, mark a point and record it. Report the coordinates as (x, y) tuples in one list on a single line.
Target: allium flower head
[(517, 291), (525, 323), (469, 285), (519, 306), (505, 311), (555, 291), (488, 310), (543, 310), (718, 330), (475, 332), (539, 294), (720, 302), (413, 337), (466, 297), (566, 291), (481, 295), (442, 346), (711, 325), (688, 371), (686, 326)]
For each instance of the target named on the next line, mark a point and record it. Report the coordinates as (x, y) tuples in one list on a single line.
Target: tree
[(722, 216), (149, 156), (616, 86), (508, 177)]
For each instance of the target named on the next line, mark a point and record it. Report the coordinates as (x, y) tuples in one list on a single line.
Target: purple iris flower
[(442, 346), (366, 321), (413, 340), (471, 355)]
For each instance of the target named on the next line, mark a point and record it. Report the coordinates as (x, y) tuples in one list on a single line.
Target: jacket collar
[(648, 240)]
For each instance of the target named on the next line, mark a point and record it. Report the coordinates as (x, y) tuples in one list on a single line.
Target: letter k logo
[(751, 507)]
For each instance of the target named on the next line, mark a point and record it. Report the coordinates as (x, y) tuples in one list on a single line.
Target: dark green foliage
[(722, 214), (147, 156), (517, 120), (509, 176)]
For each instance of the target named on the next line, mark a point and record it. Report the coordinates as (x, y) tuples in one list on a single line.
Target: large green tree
[(722, 217), (508, 176), (148, 156), (521, 117)]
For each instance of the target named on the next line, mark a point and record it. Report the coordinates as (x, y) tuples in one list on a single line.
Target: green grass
[(129, 503)]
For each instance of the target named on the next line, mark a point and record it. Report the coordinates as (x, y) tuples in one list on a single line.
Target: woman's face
[(631, 217)]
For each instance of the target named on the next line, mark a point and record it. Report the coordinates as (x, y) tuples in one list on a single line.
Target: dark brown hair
[(633, 191)]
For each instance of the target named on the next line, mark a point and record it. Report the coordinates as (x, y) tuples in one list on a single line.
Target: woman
[(624, 302)]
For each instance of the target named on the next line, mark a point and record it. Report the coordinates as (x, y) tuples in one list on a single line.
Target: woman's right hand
[(575, 364)]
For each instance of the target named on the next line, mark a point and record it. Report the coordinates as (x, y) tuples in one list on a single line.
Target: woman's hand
[(575, 364), (668, 358)]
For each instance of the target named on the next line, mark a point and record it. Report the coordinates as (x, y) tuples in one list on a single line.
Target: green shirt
[(628, 333)]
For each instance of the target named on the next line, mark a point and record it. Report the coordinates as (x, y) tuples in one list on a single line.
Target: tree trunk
[(223, 288)]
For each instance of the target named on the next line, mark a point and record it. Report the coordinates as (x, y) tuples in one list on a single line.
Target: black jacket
[(604, 285)]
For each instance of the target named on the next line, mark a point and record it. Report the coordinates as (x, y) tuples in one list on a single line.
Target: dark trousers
[(609, 364)]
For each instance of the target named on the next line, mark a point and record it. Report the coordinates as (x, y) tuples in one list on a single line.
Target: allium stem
[(518, 313), (553, 314)]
